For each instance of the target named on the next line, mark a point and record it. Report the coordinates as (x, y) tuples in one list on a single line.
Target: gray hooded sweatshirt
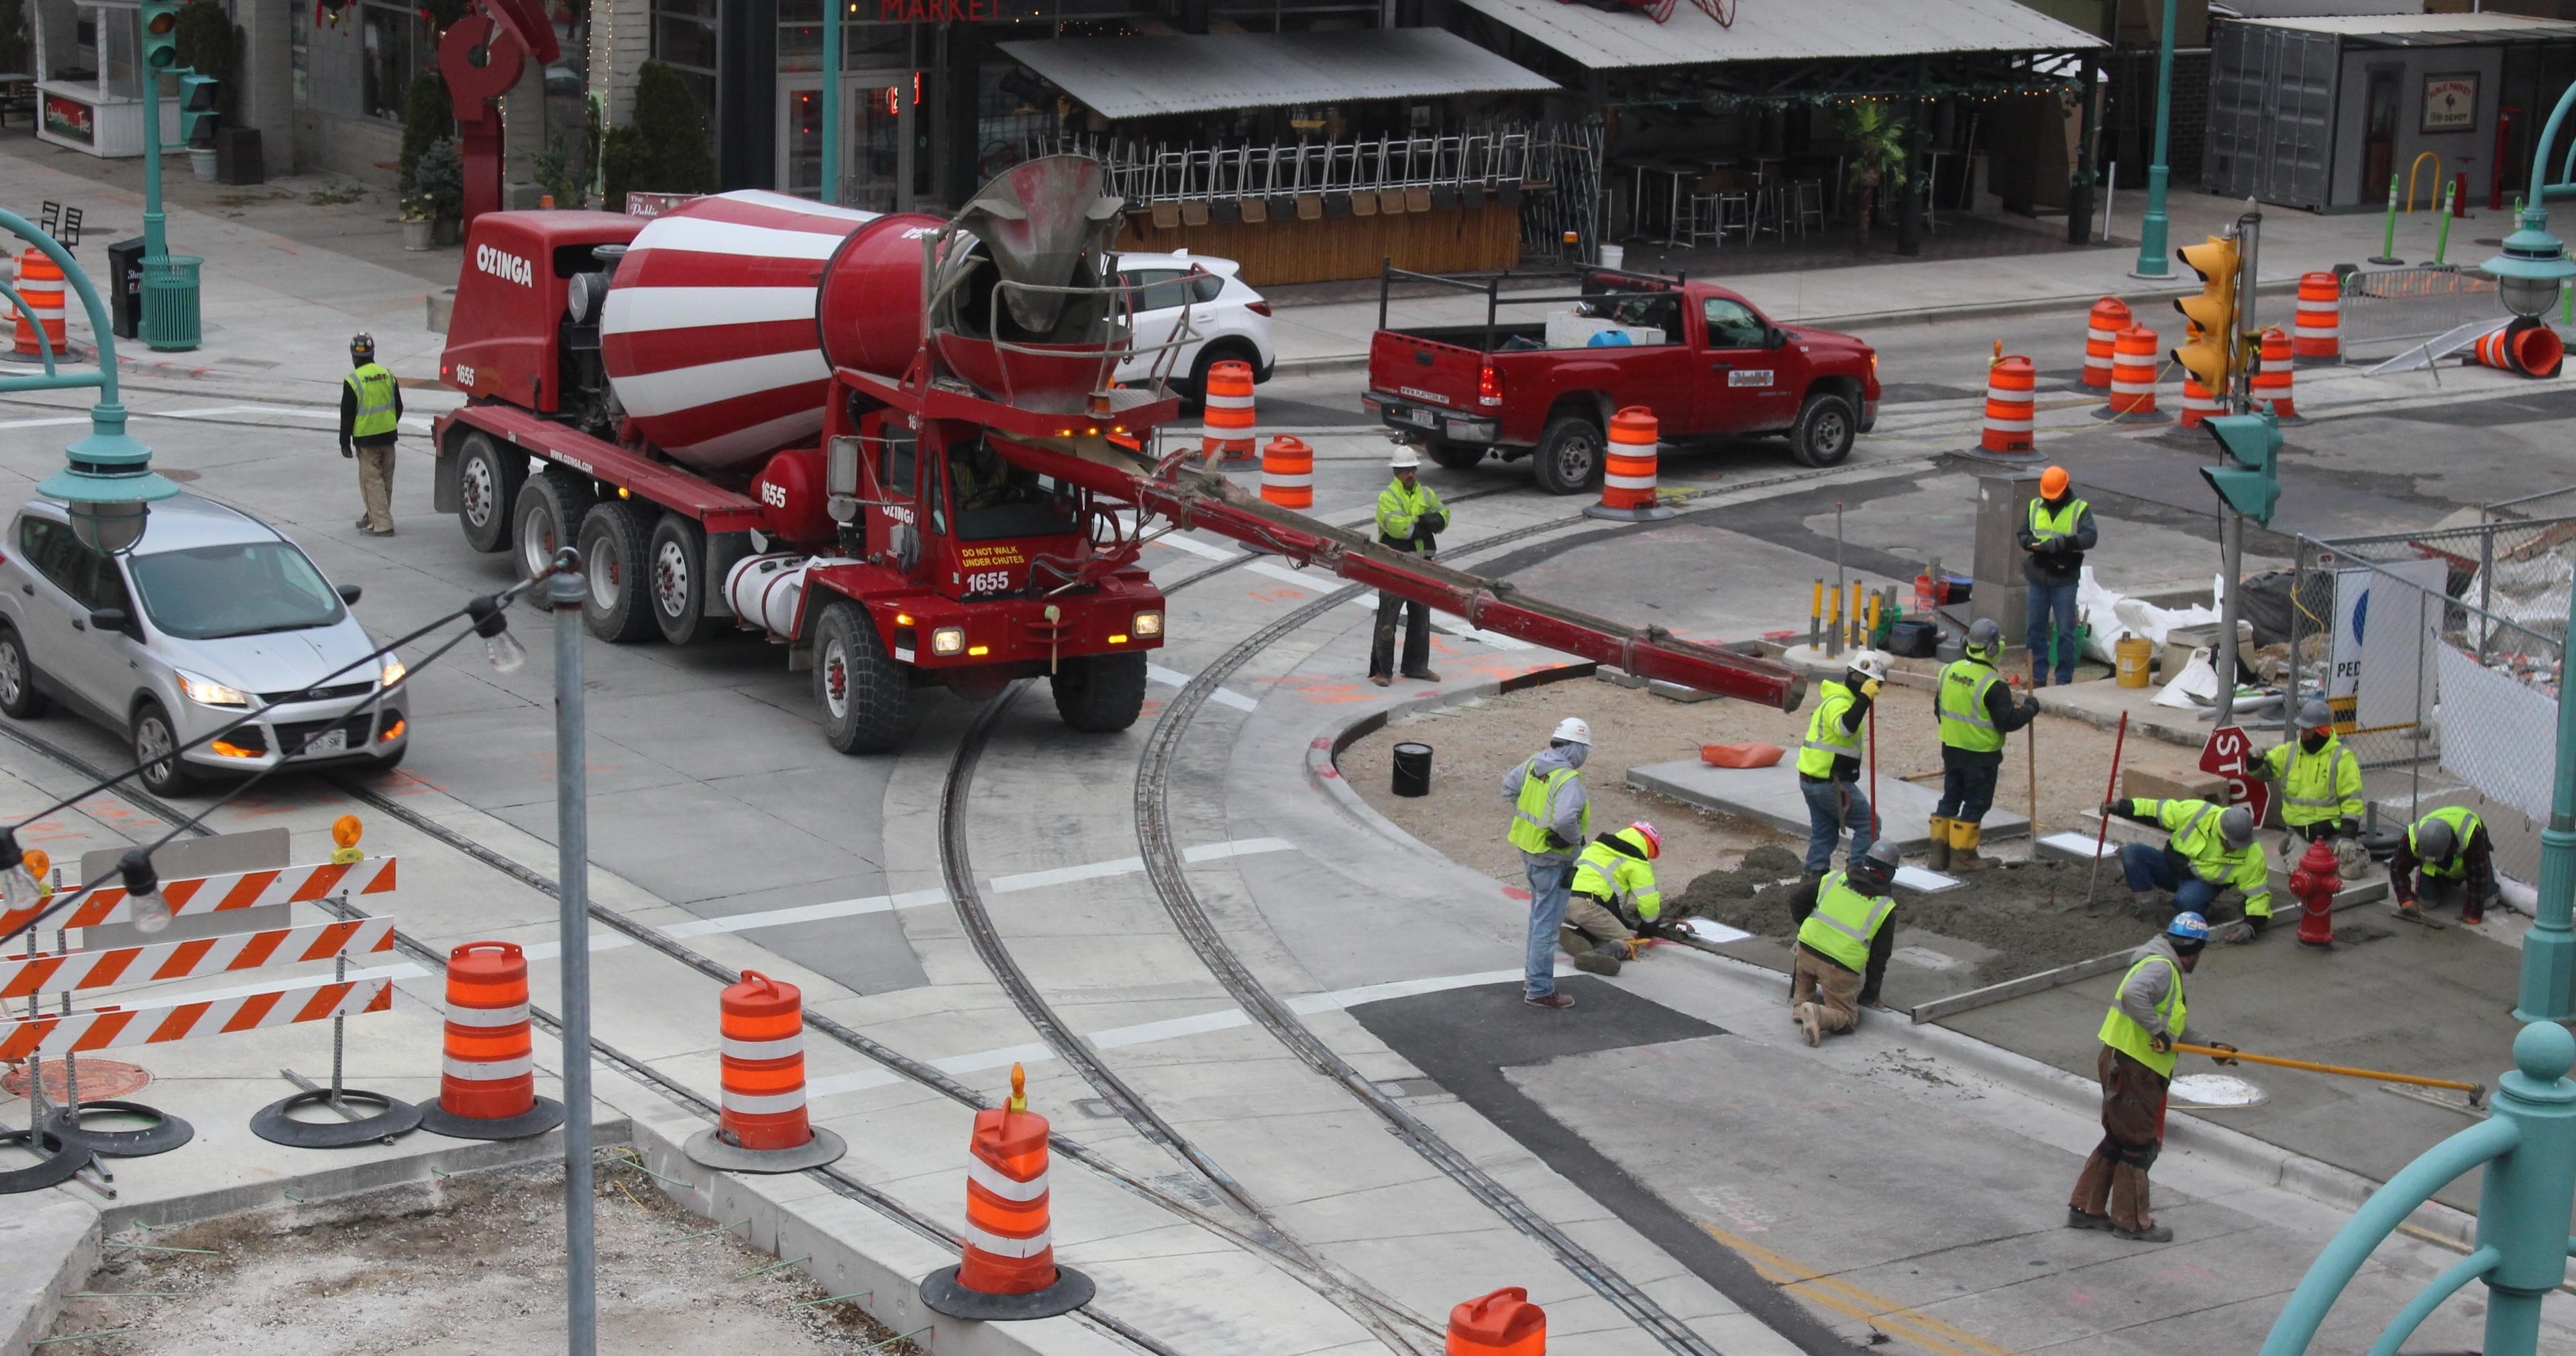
[(1565, 808)]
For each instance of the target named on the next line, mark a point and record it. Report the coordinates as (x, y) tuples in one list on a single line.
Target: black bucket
[(1412, 769)]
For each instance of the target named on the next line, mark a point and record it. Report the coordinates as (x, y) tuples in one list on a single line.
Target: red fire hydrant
[(2314, 883)]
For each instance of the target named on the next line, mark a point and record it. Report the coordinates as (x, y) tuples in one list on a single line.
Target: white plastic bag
[(2198, 679)]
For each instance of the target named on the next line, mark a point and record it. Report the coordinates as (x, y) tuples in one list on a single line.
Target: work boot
[(1601, 960), (1812, 1022), (2473, 913), (2078, 1219), (1380, 679), (1964, 837), (1553, 1000), (1422, 675), (1939, 857)]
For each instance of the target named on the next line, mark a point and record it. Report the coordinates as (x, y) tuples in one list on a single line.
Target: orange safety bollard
[(2101, 331), (2012, 401), (1288, 473), (2197, 402), (1503, 1323), (2133, 372), (2532, 350), (488, 1088), (2319, 327), (40, 283), (1008, 1270), (1628, 470), (2272, 376), (1225, 409), (761, 1123)]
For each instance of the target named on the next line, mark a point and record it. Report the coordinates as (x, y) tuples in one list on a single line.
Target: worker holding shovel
[(2147, 1019)]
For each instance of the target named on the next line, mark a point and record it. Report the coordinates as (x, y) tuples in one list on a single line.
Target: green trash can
[(170, 302)]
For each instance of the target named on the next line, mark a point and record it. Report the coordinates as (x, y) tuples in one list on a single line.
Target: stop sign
[(2228, 754)]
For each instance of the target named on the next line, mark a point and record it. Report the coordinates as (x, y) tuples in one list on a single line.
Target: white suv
[(1227, 318)]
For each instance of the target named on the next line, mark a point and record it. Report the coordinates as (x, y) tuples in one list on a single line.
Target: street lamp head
[(2532, 266), (107, 481)]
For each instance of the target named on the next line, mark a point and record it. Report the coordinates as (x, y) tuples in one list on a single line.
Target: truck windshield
[(243, 589), (997, 499)]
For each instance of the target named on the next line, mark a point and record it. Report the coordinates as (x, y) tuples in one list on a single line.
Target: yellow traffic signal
[(2208, 350)]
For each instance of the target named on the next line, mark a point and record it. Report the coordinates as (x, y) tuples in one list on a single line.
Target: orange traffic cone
[(1008, 1270), (2101, 333), (2197, 402), (761, 1125), (2533, 350), (2272, 376), (1503, 1323), (488, 1087)]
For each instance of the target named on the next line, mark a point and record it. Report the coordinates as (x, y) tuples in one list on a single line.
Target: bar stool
[(1807, 204), (1768, 208)]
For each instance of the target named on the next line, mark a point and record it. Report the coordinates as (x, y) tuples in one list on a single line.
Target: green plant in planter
[(554, 172), (439, 180), (665, 148), (209, 45), (418, 207), (428, 118)]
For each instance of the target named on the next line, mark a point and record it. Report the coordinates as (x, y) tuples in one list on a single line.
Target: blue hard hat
[(2190, 927)]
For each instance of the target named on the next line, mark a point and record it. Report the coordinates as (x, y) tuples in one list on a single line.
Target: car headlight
[(1148, 624), (207, 692), (394, 671), (948, 640)]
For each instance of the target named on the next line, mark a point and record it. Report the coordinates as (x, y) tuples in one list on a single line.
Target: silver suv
[(212, 616)]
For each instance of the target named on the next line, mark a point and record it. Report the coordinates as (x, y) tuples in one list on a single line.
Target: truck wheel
[(864, 696), (1824, 431), (1569, 458), (1456, 456), (1101, 693), (548, 509), (676, 562), (620, 607), (487, 490)]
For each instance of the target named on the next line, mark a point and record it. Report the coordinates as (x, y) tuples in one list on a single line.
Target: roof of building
[(1809, 30), (2428, 30), (1138, 77)]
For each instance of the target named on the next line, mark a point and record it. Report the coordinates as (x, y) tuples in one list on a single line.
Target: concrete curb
[(64, 1228)]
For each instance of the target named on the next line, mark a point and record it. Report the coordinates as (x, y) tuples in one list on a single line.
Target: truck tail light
[(1489, 386)]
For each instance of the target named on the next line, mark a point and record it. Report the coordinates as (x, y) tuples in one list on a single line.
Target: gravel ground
[(466, 1264)]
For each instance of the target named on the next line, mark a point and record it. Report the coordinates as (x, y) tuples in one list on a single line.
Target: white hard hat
[(1403, 459), (1573, 730), (1870, 664)]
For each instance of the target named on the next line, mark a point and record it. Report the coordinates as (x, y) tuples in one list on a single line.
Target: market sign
[(69, 119), (939, 11), (2451, 103)]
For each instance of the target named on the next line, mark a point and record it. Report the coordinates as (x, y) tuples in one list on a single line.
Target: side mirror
[(1775, 337), (110, 619), (349, 593)]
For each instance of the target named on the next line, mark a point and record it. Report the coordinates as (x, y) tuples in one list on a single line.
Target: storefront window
[(684, 38), (299, 53), (394, 46)]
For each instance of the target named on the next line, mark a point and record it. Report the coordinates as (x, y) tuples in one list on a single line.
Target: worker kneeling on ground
[(2447, 858), (1976, 709), (2320, 780), (1829, 763), (1844, 940), (2138, 1035), (1612, 884), (2207, 849)]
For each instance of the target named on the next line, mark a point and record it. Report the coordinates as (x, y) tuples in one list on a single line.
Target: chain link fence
[(2441, 653)]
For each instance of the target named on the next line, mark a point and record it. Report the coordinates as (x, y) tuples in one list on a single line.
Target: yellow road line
[(1833, 1292)]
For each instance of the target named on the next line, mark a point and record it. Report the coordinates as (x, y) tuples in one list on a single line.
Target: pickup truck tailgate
[(1431, 386)]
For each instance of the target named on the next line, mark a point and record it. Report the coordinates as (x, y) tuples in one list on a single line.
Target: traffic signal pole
[(169, 321)]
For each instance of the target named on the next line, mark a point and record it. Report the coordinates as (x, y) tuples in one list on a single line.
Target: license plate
[(334, 740), (1417, 418)]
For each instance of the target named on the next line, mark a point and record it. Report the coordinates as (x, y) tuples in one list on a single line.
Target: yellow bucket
[(2134, 654)]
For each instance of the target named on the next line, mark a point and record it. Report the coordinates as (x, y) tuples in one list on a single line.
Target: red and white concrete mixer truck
[(891, 442)]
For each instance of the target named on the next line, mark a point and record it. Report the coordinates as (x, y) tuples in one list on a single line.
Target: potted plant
[(209, 45), (419, 221), (1877, 143), (438, 181)]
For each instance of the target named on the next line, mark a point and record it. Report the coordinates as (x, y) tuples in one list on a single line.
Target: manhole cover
[(178, 474), (100, 1080), (2217, 1091)]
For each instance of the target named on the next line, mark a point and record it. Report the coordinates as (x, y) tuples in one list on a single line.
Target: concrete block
[(2140, 783), (442, 305), (51, 1242), (2072, 847), (1771, 795), (1676, 692), (1619, 677)]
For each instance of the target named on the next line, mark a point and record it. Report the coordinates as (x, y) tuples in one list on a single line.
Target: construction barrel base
[(60, 1162), (544, 1116), (709, 1148), (166, 1132), (941, 1292), (1652, 513), (277, 1123)]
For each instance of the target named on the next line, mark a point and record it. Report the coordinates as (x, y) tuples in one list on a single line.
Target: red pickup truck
[(1707, 362)]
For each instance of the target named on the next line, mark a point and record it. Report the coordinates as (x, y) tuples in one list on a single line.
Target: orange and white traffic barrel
[(1628, 469), (487, 1088), (2197, 402), (1008, 1270), (1288, 473), (2319, 328), (761, 1123), (1226, 411), (1503, 1323), (2101, 332), (40, 284), (2272, 375), (2133, 372), (2532, 350), (2012, 401)]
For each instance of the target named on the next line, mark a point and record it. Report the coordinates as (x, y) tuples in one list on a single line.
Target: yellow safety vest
[(2047, 526), (375, 388), (2312, 784), (1397, 511), (2199, 840), (1965, 723), (2462, 825), (2121, 1032), (1530, 812), (1606, 873), (1826, 738), (1844, 922)]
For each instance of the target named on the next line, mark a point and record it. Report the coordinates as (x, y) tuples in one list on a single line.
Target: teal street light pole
[(2152, 253), (831, 101), (107, 478)]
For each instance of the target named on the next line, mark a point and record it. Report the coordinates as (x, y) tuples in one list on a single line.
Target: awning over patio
[(1809, 30), (1149, 77)]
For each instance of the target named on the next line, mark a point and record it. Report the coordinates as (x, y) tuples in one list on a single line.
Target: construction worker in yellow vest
[(1409, 514), (1976, 709), (1614, 881), (1829, 763), (2317, 779), (2207, 848), (2055, 534), (1845, 935), (1551, 816), (2447, 856), (2146, 1020), (370, 419)]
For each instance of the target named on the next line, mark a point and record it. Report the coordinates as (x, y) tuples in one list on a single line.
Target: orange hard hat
[(2052, 482)]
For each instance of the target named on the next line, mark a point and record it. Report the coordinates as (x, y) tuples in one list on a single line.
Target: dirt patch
[(465, 1264)]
